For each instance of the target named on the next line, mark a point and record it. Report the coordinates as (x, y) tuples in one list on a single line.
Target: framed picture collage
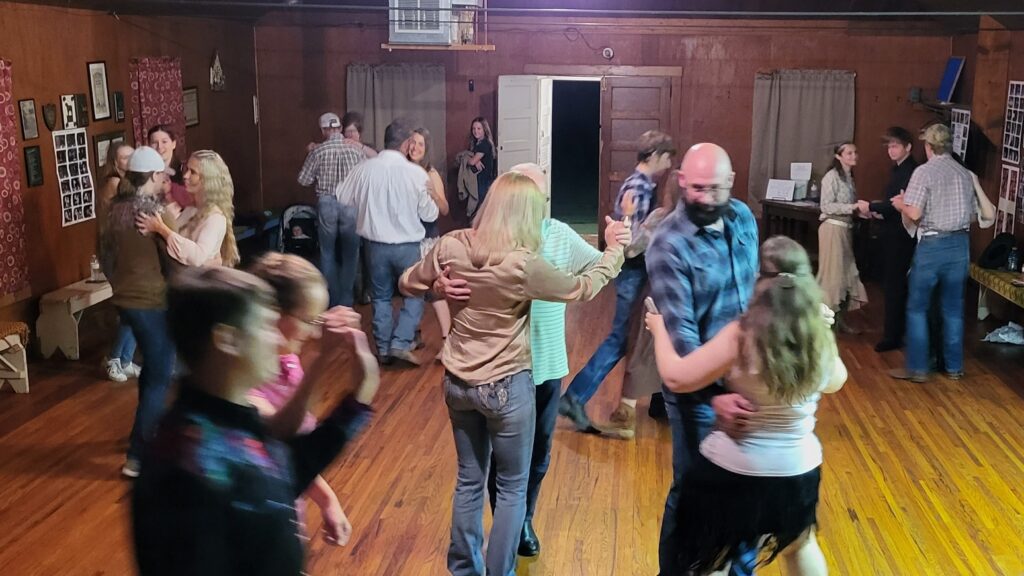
[(77, 189)]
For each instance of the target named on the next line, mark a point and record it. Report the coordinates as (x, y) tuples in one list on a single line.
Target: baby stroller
[(298, 234)]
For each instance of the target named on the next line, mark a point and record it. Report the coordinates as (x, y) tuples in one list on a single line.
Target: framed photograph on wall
[(33, 166), (118, 100), (29, 124), (68, 111), (98, 90), (102, 144), (190, 102), (82, 110)]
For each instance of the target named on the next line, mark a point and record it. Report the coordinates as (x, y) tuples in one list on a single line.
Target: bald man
[(702, 264)]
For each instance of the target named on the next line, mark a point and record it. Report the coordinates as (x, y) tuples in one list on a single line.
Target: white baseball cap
[(330, 120), (145, 159)]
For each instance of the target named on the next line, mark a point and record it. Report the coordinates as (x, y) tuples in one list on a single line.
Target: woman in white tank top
[(762, 487)]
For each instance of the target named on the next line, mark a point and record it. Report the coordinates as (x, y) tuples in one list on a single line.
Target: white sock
[(631, 402)]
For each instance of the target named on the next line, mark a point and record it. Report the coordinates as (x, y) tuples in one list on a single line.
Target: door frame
[(675, 102)]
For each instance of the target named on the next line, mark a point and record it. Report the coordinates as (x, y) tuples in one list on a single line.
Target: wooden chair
[(13, 364)]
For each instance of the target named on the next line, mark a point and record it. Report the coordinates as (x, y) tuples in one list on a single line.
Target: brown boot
[(622, 422)]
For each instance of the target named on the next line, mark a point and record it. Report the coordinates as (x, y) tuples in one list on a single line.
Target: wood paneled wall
[(49, 48), (302, 65)]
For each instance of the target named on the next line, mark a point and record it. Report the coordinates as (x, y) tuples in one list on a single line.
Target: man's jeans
[(691, 418), (940, 262), (339, 249), (150, 328), (499, 416), (387, 263), (628, 286)]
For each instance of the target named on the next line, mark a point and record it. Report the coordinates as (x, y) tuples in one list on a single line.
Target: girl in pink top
[(302, 297)]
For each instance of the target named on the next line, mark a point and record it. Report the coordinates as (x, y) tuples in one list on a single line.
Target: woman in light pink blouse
[(205, 236)]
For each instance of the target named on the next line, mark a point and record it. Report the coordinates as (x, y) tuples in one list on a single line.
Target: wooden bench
[(13, 364), (995, 281), (60, 312)]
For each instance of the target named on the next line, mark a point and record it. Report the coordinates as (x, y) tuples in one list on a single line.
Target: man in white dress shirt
[(390, 198)]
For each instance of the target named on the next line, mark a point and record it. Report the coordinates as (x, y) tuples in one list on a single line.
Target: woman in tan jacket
[(487, 384)]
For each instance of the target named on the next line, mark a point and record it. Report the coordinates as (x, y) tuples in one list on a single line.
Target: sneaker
[(622, 422), (114, 371), (901, 374), (405, 356), (955, 375), (132, 370), (573, 410), (131, 468)]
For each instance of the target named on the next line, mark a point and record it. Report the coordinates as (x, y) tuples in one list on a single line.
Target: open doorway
[(576, 152)]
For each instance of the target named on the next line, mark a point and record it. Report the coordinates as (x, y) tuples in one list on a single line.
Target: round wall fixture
[(608, 53)]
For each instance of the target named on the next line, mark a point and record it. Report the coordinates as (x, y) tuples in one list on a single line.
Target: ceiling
[(956, 12)]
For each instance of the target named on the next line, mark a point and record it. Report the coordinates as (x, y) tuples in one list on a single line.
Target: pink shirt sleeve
[(203, 248)]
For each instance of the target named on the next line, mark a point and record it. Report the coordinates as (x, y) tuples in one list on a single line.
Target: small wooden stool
[(13, 364), (60, 312)]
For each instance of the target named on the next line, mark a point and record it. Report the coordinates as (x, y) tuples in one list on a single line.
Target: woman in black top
[(484, 160)]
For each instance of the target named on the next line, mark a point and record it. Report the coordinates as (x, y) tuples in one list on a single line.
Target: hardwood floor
[(918, 479)]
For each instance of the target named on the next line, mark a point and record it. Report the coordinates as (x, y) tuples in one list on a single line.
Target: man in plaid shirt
[(327, 165), (655, 153), (702, 264), (939, 201)]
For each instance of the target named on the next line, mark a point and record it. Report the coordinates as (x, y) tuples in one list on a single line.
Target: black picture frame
[(99, 91), (117, 98), (29, 120), (82, 110), (33, 166), (190, 106), (101, 144)]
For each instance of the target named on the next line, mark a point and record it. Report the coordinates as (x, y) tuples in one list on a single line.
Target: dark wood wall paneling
[(49, 48), (302, 70)]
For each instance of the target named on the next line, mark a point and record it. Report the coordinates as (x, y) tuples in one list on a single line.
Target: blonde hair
[(219, 192), (510, 218), (783, 333), (294, 279)]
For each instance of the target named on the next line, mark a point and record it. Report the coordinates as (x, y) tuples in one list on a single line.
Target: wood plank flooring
[(918, 479)]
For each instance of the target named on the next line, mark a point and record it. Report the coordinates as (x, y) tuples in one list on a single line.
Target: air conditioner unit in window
[(428, 21)]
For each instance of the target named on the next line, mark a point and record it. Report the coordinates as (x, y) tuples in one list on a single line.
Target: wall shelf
[(440, 47)]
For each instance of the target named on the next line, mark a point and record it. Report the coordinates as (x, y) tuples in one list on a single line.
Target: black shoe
[(886, 345), (386, 360), (529, 545), (657, 408), (574, 411)]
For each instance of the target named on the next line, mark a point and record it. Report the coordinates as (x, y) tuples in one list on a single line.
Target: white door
[(524, 122)]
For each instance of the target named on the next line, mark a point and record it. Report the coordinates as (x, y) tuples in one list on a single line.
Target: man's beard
[(705, 214)]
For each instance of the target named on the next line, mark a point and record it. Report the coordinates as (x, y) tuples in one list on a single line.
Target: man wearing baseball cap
[(136, 266), (327, 165), (939, 201)]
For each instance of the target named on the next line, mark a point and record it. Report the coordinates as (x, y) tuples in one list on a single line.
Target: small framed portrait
[(190, 103), (69, 112), (33, 166), (29, 123), (118, 100), (98, 90)]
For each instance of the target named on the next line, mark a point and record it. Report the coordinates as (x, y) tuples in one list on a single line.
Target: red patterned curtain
[(13, 265), (156, 97)]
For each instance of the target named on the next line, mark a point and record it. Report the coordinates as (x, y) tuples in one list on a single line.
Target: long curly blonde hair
[(218, 192)]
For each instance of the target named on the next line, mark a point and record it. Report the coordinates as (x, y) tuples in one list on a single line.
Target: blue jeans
[(387, 262), (124, 345), (499, 416), (940, 262), (547, 416), (339, 249), (150, 328), (628, 286), (691, 418)]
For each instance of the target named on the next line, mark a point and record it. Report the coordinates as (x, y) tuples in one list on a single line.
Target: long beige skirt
[(837, 270)]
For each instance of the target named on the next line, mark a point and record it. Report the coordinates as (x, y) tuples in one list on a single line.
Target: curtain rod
[(285, 5)]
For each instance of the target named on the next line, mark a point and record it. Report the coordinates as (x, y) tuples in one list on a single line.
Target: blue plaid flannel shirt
[(643, 194), (701, 279)]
